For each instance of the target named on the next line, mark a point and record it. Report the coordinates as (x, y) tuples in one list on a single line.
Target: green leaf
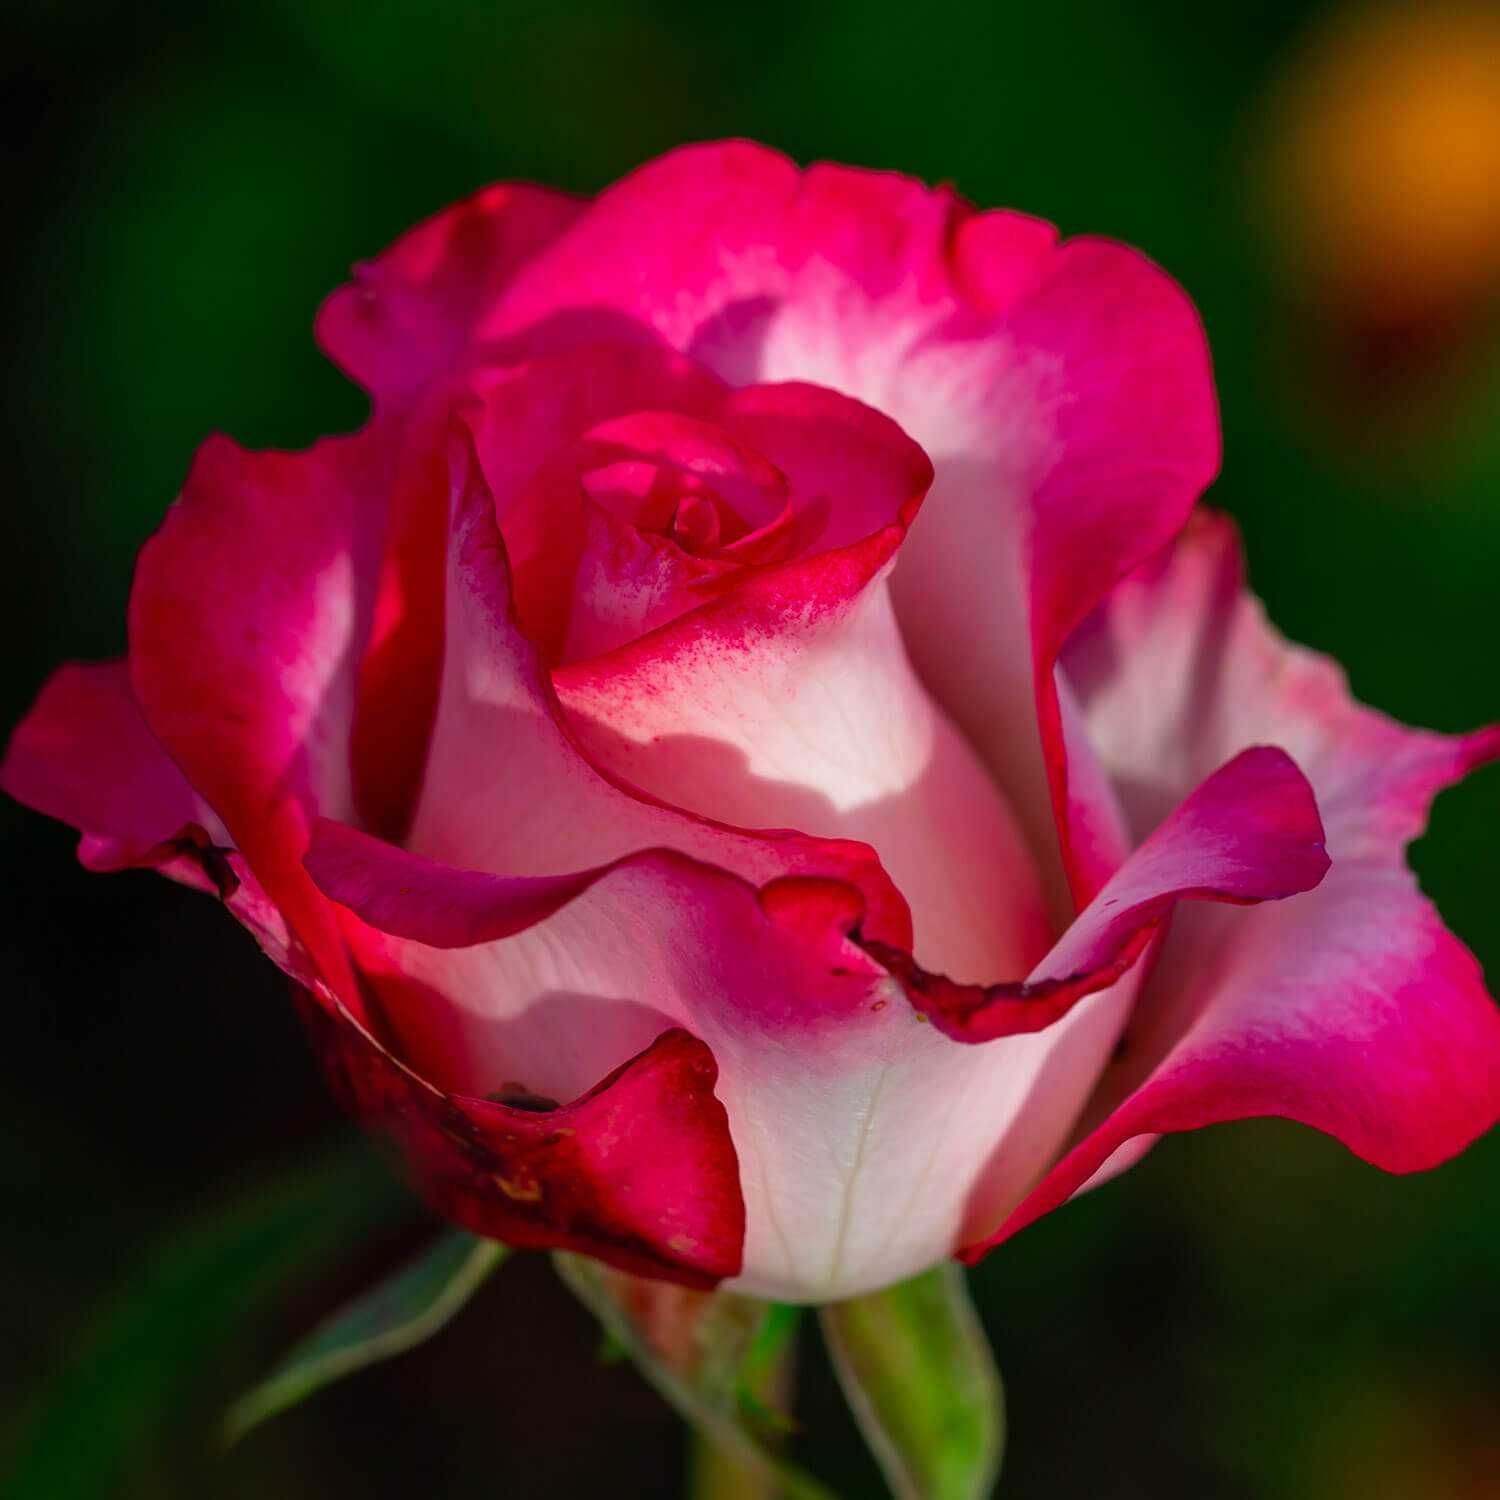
[(144, 1356), (918, 1372), (718, 1359), (398, 1314)]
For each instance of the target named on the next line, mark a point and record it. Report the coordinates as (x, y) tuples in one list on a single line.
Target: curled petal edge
[(1249, 833), (591, 1175)]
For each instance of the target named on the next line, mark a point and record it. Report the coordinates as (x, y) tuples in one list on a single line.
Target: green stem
[(720, 1472), (717, 1473)]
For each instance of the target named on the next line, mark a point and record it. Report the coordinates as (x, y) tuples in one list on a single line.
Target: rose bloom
[(755, 766)]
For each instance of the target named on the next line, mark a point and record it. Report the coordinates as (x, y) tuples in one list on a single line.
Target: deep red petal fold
[(639, 1172)]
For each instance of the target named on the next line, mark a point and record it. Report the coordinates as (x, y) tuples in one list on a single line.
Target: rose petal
[(1063, 393), (1351, 1009), (539, 806), (1249, 833), (856, 1125), (411, 313), (249, 607), (1070, 441), (529, 424), (921, 1144), (1180, 669), (84, 755), (639, 1171)]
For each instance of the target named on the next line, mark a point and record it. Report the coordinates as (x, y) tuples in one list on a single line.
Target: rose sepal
[(718, 1359), (403, 1310), (919, 1376)]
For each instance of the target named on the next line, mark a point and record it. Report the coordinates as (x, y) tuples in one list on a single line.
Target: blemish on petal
[(520, 1190)]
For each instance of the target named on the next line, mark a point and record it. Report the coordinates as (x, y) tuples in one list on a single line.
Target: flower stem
[(721, 1471), (717, 1473)]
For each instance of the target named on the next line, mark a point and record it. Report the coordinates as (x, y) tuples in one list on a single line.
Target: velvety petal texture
[(753, 767)]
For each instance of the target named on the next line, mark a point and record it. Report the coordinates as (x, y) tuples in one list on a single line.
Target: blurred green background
[(1251, 1313)]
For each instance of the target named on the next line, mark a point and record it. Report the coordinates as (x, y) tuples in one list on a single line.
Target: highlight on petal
[(249, 608), (638, 1171), (790, 701)]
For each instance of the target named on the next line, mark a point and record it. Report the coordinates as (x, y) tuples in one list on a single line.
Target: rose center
[(670, 502)]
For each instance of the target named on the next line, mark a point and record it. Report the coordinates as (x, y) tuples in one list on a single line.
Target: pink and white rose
[(754, 763)]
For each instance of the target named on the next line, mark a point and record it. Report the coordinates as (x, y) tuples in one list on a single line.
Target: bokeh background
[(1251, 1313)]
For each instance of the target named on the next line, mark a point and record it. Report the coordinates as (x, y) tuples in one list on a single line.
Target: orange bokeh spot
[(1385, 158)]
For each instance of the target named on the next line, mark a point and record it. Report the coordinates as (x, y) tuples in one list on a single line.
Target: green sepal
[(918, 1373), (397, 1314), (716, 1358)]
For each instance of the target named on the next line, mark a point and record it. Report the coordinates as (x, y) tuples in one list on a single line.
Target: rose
[(619, 744)]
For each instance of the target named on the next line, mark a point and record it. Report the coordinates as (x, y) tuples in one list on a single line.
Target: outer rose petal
[(638, 1172), (411, 313), (548, 980), (84, 755), (1063, 393), (864, 1137), (250, 605), (1180, 669), (1351, 1009)]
